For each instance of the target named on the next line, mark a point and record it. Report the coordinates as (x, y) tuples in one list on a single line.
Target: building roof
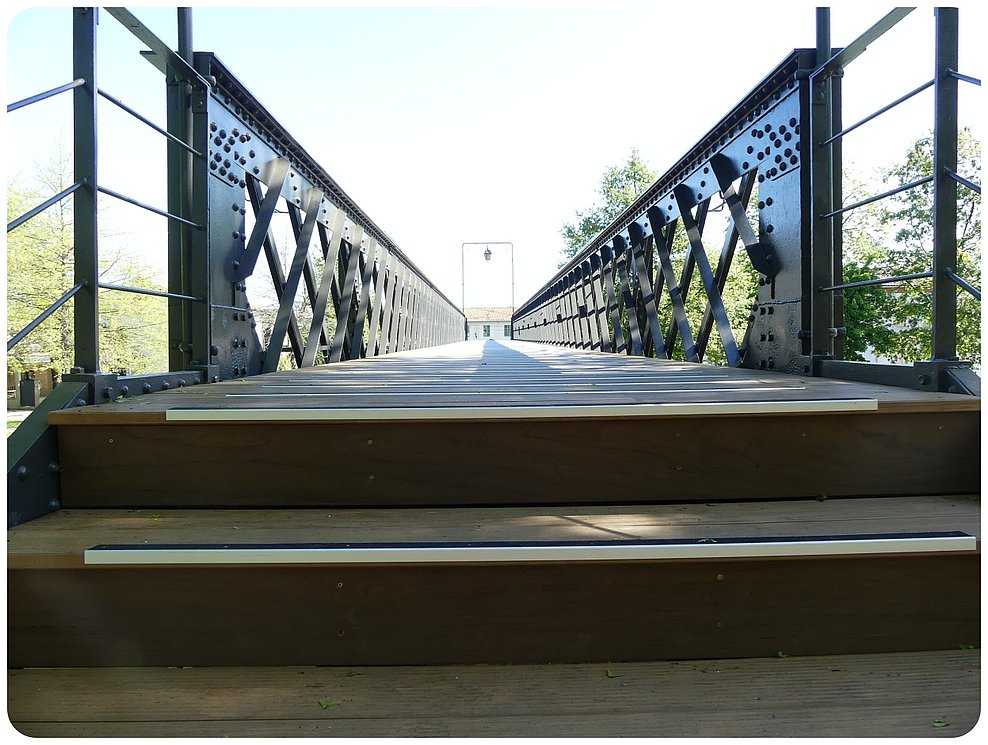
[(478, 315)]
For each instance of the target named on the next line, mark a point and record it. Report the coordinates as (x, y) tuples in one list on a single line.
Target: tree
[(896, 238), (40, 268), (619, 187)]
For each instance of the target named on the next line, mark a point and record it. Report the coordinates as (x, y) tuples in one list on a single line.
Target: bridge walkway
[(508, 505)]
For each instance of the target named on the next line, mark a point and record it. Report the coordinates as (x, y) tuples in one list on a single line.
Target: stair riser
[(395, 615), (463, 463)]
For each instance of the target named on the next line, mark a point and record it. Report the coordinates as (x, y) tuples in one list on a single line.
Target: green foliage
[(896, 237), (619, 187), (882, 239), (40, 265)]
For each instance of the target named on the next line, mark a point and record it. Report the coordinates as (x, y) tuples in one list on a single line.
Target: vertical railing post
[(837, 195), (86, 234), (188, 266), (944, 343), (821, 197)]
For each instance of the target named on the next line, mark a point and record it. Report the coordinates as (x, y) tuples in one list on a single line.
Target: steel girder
[(607, 297)]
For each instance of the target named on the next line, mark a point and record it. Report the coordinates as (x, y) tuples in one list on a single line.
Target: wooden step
[(515, 423), (64, 611), (913, 694)]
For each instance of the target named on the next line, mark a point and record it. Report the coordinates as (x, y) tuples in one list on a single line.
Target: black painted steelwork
[(784, 139), (224, 151), (628, 267)]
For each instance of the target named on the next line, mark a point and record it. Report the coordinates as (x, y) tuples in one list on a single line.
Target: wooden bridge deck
[(507, 380), (490, 445)]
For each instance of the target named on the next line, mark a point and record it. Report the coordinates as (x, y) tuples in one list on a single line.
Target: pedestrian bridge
[(579, 531)]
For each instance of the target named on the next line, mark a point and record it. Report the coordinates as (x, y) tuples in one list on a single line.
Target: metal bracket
[(103, 387), (32, 458), (944, 376)]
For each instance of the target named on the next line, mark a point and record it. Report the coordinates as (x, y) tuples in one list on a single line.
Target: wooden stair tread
[(60, 539), (869, 695)]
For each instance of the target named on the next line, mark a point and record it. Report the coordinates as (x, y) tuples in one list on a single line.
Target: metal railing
[(785, 140), (367, 259), (225, 153)]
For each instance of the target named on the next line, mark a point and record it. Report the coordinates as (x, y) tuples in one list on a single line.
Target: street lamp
[(487, 257)]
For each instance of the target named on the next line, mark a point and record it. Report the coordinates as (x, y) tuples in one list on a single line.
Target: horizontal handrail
[(46, 94), (148, 122), (896, 102), (16, 338), (965, 78), (883, 195), (883, 281), (145, 291), (853, 50), (963, 283), (161, 56), (976, 188), (43, 206), (148, 207)]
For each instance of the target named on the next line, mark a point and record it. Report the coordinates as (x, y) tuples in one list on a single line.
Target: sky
[(454, 125)]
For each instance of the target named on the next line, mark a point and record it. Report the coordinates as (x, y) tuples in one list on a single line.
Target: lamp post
[(487, 257)]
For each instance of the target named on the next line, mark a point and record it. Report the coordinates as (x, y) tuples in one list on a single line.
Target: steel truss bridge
[(641, 509)]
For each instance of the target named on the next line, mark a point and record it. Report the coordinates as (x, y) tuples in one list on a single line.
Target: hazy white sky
[(462, 124)]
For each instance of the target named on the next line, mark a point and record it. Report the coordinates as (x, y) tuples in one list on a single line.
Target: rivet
[(124, 390), (371, 477), (165, 385), (339, 585), (370, 442), (720, 576), (181, 383), (146, 388), (53, 467), (22, 472)]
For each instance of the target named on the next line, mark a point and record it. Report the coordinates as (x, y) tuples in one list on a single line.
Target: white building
[(488, 323)]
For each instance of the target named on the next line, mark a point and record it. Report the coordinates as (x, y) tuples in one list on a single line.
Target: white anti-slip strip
[(514, 554), (520, 412)]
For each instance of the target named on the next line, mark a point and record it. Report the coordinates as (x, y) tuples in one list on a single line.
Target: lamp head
[(487, 254)]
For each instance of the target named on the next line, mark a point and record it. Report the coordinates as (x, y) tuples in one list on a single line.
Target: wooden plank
[(59, 540), (423, 463), (387, 615), (791, 697)]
